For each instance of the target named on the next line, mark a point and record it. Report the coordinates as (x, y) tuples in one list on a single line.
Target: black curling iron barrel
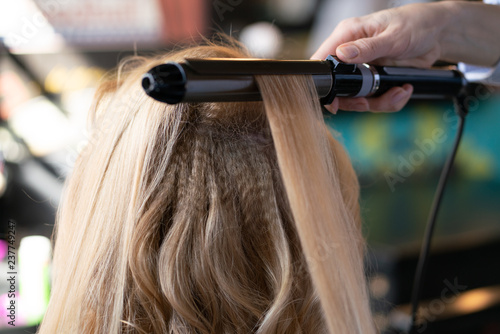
[(233, 79)]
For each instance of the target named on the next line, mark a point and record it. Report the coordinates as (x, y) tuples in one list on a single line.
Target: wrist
[(451, 33), (470, 33)]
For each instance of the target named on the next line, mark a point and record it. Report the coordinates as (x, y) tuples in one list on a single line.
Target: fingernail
[(331, 109), (399, 96), (348, 51)]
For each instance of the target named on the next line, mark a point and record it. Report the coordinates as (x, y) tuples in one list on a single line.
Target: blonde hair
[(209, 217)]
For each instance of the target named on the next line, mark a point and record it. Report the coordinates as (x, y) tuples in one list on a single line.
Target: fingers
[(361, 39), (333, 107), (365, 50), (393, 100)]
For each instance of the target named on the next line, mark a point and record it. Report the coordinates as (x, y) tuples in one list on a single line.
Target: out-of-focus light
[(477, 300), (3, 187), (34, 281), (12, 151), (379, 286), (292, 11), (3, 249), (262, 39), (44, 128), (24, 28)]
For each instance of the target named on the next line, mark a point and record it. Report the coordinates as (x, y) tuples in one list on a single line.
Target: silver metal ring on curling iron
[(376, 79)]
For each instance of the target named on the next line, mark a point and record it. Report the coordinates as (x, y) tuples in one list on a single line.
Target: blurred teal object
[(399, 156)]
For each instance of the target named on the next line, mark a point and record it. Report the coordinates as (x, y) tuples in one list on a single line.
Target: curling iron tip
[(165, 83), (148, 82)]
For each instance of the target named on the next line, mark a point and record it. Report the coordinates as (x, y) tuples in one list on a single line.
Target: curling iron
[(226, 80), (232, 79)]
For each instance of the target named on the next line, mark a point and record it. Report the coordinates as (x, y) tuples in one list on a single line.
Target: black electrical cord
[(461, 109)]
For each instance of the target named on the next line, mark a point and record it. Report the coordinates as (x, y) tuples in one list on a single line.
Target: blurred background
[(53, 53)]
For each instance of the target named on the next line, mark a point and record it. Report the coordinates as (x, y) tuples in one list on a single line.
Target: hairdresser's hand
[(404, 36), (414, 35)]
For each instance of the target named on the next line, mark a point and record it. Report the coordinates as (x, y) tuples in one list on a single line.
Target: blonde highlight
[(205, 218)]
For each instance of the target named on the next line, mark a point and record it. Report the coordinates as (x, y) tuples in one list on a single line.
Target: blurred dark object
[(461, 293)]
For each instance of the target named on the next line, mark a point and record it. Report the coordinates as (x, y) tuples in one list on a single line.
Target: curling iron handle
[(426, 82), (364, 80)]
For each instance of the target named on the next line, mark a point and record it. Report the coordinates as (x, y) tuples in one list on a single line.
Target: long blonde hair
[(209, 217)]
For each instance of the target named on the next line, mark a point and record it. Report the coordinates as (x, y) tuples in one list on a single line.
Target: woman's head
[(176, 218)]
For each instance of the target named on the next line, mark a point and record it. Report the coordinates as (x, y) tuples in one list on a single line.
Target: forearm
[(474, 35)]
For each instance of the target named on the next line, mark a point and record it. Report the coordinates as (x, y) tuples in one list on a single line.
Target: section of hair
[(322, 192), (176, 220)]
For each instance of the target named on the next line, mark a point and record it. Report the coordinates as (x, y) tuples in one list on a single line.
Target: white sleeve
[(489, 75), (495, 77), (486, 75)]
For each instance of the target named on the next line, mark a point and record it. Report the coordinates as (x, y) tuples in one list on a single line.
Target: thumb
[(364, 50)]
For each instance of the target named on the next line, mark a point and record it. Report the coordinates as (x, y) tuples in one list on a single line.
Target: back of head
[(178, 219)]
